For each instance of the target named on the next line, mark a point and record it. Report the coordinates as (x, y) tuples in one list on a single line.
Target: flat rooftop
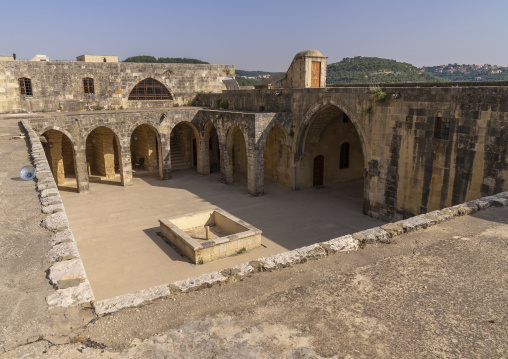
[(116, 227)]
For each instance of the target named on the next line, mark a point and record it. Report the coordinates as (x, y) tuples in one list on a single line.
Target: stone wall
[(59, 84)]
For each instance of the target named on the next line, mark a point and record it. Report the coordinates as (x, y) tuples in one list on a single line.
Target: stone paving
[(116, 227)]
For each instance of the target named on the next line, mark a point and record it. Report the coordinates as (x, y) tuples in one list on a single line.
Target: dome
[(314, 53)]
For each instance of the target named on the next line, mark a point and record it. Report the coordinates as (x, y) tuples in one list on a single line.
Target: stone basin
[(228, 235)]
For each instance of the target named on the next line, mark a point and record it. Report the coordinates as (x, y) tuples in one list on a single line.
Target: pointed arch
[(150, 89), (145, 148)]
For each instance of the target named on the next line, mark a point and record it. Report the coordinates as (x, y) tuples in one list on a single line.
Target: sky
[(259, 35)]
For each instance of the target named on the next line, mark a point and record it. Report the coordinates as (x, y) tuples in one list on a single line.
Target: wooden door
[(315, 74), (319, 171)]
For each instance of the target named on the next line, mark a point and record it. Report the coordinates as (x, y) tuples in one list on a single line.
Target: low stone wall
[(66, 274), (383, 234)]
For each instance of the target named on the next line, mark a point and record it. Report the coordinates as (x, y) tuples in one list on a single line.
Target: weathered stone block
[(63, 251), (56, 222), (131, 300), (48, 201), (238, 270), (67, 274), (54, 208), (292, 257), (341, 244), (63, 236), (394, 228), (71, 296), (373, 235), (49, 192), (197, 282), (415, 223)]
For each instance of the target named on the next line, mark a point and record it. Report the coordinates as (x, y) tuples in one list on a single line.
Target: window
[(25, 87), (345, 118), (344, 156), (442, 128), (88, 85), (150, 89)]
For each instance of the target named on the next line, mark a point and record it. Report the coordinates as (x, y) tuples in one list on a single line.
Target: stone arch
[(318, 107), (104, 153), (150, 89), (61, 155), (277, 157), (235, 155), (323, 129), (185, 146), (146, 148)]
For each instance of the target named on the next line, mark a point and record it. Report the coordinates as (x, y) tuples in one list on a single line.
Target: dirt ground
[(438, 293)]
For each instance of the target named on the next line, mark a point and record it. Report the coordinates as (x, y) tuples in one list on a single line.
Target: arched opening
[(145, 150), (103, 156), (212, 147), (184, 144), (150, 89), (277, 158), (332, 136), (237, 155), (59, 151)]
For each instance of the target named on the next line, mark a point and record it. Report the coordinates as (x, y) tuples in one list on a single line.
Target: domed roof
[(315, 53)]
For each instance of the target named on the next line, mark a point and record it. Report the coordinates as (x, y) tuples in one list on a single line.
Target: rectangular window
[(88, 85), (442, 128), (25, 87)]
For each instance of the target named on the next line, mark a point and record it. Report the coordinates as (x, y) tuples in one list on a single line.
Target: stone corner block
[(71, 296), (341, 244), (66, 274), (131, 300), (56, 222)]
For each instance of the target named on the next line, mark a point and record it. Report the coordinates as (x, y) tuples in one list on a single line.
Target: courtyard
[(116, 227)]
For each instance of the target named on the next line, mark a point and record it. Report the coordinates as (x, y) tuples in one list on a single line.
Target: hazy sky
[(259, 35)]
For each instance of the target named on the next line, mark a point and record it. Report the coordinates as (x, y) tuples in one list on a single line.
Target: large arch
[(61, 156), (145, 149), (149, 89), (235, 163), (185, 147), (323, 136), (277, 157), (318, 107), (104, 154)]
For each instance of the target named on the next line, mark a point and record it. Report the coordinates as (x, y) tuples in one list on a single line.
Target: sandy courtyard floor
[(116, 227)]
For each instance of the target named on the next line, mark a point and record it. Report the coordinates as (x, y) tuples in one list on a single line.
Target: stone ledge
[(372, 235), (53, 208), (131, 300), (63, 236), (63, 252), (200, 281), (341, 244), (286, 259), (56, 222)]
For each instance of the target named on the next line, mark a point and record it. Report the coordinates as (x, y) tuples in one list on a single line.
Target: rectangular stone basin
[(228, 235)]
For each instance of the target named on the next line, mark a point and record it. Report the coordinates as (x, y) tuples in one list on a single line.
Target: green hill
[(360, 69), (161, 60)]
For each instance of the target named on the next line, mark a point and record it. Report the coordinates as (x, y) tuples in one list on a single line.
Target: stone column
[(226, 167), (255, 172), (203, 157), (81, 169), (165, 156), (125, 166)]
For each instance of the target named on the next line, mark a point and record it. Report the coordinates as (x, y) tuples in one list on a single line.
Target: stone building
[(419, 148)]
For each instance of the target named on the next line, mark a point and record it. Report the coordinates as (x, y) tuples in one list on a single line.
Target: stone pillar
[(125, 165), (81, 169), (165, 157), (226, 166), (255, 173), (203, 158)]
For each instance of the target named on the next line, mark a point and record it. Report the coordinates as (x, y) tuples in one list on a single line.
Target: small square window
[(442, 128), (88, 85), (25, 87)]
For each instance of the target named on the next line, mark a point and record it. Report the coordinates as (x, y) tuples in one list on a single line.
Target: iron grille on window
[(442, 129), (88, 85), (150, 89), (344, 155), (25, 87)]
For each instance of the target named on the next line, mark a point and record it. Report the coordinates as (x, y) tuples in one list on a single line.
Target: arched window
[(88, 85), (25, 87), (344, 155), (150, 89)]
